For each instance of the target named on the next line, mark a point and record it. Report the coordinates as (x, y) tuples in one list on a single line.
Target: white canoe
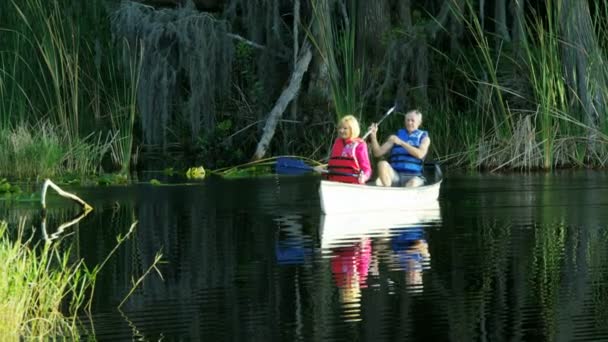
[(341, 229), (339, 197)]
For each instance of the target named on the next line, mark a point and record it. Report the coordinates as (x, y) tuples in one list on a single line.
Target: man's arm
[(418, 152), (378, 150), (381, 150)]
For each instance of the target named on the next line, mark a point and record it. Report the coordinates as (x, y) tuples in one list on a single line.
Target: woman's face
[(344, 131), (412, 122)]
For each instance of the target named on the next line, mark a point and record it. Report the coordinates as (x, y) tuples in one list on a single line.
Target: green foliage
[(336, 43), (219, 148), (35, 283), (8, 188), (52, 78), (29, 152), (112, 179)]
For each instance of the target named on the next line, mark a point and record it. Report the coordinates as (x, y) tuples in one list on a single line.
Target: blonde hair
[(351, 121)]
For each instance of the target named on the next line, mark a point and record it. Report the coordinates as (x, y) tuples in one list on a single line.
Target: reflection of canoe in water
[(342, 197), (344, 228)]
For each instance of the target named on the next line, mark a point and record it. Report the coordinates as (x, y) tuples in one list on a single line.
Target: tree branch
[(285, 98)]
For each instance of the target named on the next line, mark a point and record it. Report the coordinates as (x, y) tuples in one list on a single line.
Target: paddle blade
[(291, 166)]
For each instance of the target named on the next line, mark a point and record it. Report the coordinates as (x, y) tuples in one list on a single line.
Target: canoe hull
[(342, 197), (340, 229)]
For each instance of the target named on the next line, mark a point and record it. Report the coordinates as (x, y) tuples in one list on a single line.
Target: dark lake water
[(501, 257)]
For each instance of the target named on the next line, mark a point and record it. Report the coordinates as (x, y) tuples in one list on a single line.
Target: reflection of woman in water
[(411, 253), (350, 266)]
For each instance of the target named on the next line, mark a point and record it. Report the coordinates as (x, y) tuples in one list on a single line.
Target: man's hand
[(397, 141), (373, 130)]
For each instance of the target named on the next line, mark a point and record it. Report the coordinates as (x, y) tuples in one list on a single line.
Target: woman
[(407, 148), (348, 155)]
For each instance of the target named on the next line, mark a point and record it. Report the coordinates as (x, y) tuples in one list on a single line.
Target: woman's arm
[(363, 159)]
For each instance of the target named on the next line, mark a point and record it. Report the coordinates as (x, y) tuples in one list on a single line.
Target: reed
[(335, 41), (35, 284), (123, 105), (31, 151), (546, 128), (40, 150), (546, 78), (483, 71), (54, 37)]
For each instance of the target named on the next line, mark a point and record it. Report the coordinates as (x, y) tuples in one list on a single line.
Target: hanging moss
[(187, 61), (263, 22)]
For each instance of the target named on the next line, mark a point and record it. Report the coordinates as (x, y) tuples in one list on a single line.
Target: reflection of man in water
[(350, 266), (411, 253)]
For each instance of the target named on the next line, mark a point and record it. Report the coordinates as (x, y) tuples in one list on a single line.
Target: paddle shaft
[(389, 112), (337, 173), (287, 165)]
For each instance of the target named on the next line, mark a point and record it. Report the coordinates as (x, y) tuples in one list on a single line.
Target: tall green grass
[(546, 78), (515, 109), (41, 151), (123, 105), (54, 75), (335, 41), (36, 282)]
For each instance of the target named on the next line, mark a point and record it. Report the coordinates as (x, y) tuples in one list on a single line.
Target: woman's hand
[(361, 178), (319, 169)]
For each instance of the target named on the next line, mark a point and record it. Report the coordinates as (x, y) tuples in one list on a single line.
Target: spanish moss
[(186, 65)]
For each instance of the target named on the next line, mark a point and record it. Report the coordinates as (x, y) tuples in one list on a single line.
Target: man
[(407, 151)]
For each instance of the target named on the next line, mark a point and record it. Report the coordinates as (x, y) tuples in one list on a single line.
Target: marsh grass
[(40, 150), (519, 112), (123, 106), (335, 41), (30, 151), (38, 285), (53, 92)]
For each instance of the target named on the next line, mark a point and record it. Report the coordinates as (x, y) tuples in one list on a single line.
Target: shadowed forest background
[(90, 87)]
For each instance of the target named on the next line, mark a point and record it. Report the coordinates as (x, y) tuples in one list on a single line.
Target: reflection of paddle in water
[(411, 255), (350, 267)]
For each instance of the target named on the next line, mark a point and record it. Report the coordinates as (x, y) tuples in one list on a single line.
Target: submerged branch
[(62, 193)]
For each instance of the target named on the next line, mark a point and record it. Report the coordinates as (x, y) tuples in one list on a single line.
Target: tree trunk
[(519, 30), (583, 60), (404, 10), (500, 20), (285, 98), (374, 21)]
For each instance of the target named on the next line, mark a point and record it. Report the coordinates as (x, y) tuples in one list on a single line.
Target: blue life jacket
[(400, 159)]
